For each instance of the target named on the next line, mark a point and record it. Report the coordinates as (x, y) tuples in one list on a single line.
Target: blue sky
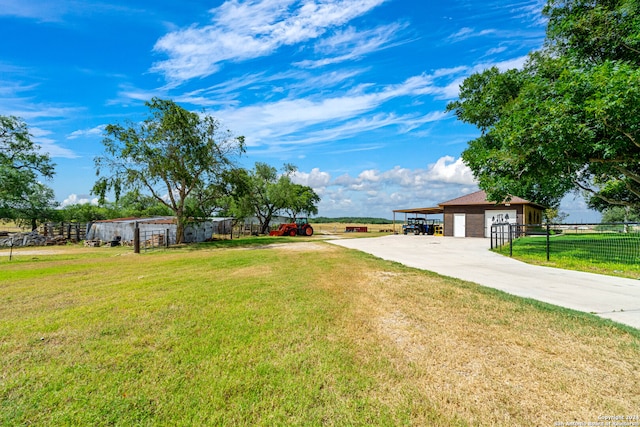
[(352, 92)]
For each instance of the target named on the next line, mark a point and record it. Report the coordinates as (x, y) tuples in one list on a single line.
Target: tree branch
[(597, 194)]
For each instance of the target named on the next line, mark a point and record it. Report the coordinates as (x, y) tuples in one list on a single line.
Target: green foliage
[(570, 120), (263, 193), (22, 196), (554, 216), (621, 214), (134, 204), (351, 220), (174, 155), (87, 212)]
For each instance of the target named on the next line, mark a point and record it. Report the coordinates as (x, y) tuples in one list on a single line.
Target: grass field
[(291, 332), (604, 253), (373, 229)]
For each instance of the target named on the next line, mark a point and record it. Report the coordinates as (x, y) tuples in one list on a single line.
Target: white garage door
[(498, 217), (459, 225)]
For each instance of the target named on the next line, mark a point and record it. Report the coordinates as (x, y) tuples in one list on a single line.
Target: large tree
[(570, 119), (172, 155), (22, 165), (263, 192)]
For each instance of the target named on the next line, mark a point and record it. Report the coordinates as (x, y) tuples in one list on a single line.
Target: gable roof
[(480, 198)]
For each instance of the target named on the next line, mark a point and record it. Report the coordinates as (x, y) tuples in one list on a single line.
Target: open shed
[(416, 212)]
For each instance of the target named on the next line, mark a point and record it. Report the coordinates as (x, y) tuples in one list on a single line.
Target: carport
[(416, 211)]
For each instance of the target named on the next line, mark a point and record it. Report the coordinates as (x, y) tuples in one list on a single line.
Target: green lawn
[(615, 254), (301, 333)]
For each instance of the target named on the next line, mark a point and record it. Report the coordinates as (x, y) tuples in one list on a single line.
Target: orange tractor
[(300, 227)]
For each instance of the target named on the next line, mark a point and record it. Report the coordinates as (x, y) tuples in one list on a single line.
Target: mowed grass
[(301, 333), (339, 229), (603, 253)]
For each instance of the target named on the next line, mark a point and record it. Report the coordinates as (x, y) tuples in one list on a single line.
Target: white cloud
[(50, 146), (79, 199), (369, 176), (351, 45), (313, 179), (96, 131), (377, 193), (466, 33), (340, 117), (496, 50), (449, 170), (251, 29), (36, 9)]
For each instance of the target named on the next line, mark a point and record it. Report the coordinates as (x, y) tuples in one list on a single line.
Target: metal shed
[(109, 230)]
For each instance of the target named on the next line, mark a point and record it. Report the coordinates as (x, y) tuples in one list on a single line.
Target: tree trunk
[(264, 224), (179, 231)]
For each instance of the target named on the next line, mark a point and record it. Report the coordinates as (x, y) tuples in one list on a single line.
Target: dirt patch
[(294, 247), (31, 252)]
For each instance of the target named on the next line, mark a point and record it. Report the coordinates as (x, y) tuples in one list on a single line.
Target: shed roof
[(480, 198), (155, 220), (423, 211), (152, 220)]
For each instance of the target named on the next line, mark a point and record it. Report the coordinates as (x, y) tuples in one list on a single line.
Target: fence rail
[(604, 242)]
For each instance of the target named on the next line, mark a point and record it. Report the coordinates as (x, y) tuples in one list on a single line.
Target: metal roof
[(424, 211), (480, 198), (477, 198)]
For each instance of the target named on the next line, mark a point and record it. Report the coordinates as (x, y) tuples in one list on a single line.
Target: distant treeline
[(350, 220)]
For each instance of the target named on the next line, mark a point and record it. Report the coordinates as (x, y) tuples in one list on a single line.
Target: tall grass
[(298, 334)]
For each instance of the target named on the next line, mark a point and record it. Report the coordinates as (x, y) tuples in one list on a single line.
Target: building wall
[(475, 220), (532, 215), (198, 232)]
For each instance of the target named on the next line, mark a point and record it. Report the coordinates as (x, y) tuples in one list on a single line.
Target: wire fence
[(605, 242), (155, 239)]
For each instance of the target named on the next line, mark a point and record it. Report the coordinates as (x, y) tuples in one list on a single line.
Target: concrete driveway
[(470, 259)]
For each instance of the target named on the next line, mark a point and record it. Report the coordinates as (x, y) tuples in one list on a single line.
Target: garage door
[(498, 217), (459, 225)]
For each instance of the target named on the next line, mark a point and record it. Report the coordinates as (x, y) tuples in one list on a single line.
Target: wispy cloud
[(56, 11), (93, 132), (41, 10), (50, 146), (350, 44), (467, 33), (252, 29), (330, 118)]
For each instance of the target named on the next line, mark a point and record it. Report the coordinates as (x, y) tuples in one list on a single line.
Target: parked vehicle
[(300, 227), (419, 226)]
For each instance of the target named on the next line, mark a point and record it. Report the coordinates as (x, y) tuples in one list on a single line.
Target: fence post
[(548, 240), (136, 240), (491, 235), (510, 241)]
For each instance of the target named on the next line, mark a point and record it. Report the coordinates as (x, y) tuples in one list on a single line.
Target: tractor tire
[(293, 232), (308, 231)]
